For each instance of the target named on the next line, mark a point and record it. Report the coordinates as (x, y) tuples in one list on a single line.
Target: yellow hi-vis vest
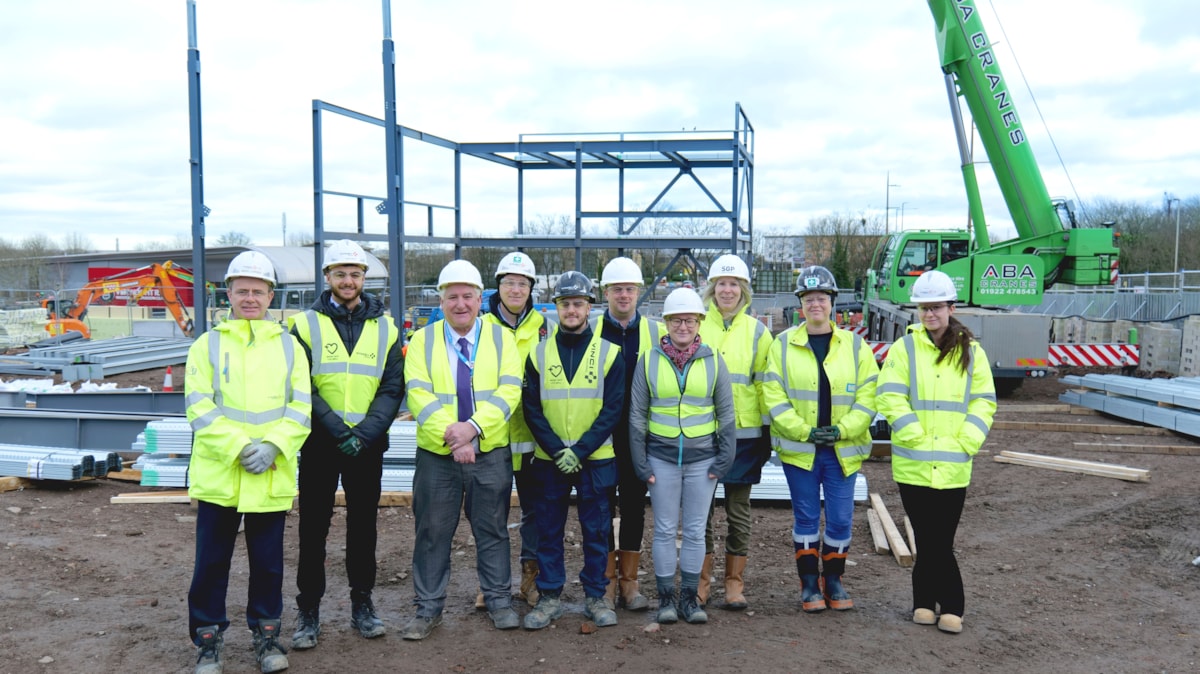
[(649, 332), (433, 397), (532, 329), (681, 402), (347, 382), (743, 346), (571, 407), (242, 387)]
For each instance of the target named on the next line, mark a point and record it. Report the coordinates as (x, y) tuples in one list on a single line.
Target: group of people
[(611, 406)]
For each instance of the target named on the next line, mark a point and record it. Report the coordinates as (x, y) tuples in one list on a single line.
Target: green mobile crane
[(1050, 246)]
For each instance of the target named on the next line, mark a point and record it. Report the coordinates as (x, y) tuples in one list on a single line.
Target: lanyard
[(451, 341)]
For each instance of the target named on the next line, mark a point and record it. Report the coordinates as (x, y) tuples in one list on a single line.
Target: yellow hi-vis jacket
[(792, 394), (433, 398), (681, 403), (532, 329), (743, 346), (571, 407), (347, 382), (940, 415), (243, 387)]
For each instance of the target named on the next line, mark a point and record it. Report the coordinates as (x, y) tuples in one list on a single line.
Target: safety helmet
[(621, 270), (459, 271), (516, 263), (573, 284), (729, 265), (816, 278), (345, 251), (251, 264), (934, 286), (682, 301)]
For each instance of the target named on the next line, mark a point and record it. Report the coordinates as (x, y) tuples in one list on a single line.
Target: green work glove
[(814, 435), (825, 435), (350, 445), (262, 455), (567, 462)]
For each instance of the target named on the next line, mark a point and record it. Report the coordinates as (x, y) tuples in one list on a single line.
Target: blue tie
[(463, 380)]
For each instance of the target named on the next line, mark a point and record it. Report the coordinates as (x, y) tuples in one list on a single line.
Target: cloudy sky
[(94, 104)]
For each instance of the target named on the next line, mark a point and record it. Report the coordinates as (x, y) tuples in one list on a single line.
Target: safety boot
[(631, 597), (212, 642), (689, 606), (705, 585), (735, 567), (833, 561), (363, 618), (308, 628), (610, 572), (271, 656), (808, 566), (597, 610), (529, 574), (667, 611), (549, 608)]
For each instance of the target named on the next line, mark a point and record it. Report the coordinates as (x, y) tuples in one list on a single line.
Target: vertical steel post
[(395, 189), (199, 275)]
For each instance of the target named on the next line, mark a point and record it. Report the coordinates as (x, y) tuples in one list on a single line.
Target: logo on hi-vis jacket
[(1009, 279)]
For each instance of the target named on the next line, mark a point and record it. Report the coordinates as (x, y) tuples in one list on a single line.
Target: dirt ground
[(1063, 573)]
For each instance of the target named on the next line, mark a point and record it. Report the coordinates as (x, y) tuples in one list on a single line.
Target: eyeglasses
[(677, 322), (243, 293), (926, 308), (510, 283), (623, 290), (815, 298)]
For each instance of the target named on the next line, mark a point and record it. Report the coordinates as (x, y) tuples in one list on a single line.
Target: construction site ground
[(1064, 573)]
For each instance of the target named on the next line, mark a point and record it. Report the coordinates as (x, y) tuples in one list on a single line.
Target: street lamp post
[(887, 202)]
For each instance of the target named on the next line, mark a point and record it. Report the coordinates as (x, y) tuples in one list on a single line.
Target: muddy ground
[(1063, 573)]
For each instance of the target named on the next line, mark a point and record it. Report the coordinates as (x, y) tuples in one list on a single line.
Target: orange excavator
[(67, 315)]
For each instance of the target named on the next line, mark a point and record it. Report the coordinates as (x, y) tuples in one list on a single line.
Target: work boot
[(363, 619), (549, 608), (705, 585), (924, 616), (504, 618), (420, 627), (812, 600), (480, 602), (833, 562), (689, 606), (735, 566), (631, 597), (211, 644), (610, 572), (667, 612), (950, 623), (270, 655), (308, 628), (529, 574), (597, 610)]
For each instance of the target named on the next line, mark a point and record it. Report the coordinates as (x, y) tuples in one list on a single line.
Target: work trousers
[(746, 472), (441, 490), (216, 533), (805, 487), (320, 469), (592, 484), (628, 501), (527, 495), (682, 496), (934, 514)]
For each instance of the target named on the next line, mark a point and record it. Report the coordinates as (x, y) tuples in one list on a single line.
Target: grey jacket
[(720, 446)]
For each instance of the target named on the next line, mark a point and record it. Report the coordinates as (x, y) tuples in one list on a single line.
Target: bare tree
[(843, 243), (234, 239), (76, 243)]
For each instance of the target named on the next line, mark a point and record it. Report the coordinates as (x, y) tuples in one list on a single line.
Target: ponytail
[(957, 337)]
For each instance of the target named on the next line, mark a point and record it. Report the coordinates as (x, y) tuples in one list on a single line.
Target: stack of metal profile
[(168, 436), (774, 486), (1168, 403), (96, 359), (55, 463)]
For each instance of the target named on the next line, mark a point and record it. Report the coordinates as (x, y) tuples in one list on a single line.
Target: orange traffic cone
[(168, 385)]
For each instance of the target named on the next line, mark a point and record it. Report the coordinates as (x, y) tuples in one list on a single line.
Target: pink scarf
[(680, 356)]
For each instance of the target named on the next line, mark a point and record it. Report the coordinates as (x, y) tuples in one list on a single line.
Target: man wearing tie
[(464, 379)]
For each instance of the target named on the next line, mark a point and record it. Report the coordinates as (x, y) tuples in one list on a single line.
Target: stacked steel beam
[(55, 463)]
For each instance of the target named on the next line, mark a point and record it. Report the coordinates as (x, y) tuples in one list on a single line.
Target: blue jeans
[(804, 486), (592, 484), (680, 495), (216, 533), (443, 488)]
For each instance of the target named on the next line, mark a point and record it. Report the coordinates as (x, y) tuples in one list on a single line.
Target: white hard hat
[(459, 271), (516, 263), (934, 286), (621, 270), (682, 301), (729, 265), (345, 251), (251, 264)]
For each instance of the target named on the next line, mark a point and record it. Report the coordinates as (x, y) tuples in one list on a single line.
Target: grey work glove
[(350, 444), (567, 461), (260, 458)]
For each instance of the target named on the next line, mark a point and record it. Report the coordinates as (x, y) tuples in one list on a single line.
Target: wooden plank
[(1075, 466), (912, 537), (9, 483), (899, 548), (1057, 427), (143, 497), (1033, 408), (1176, 450), (127, 475), (878, 538), (881, 448)]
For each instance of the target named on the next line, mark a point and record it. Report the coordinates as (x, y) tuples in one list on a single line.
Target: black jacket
[(327, 426), (628, 339)]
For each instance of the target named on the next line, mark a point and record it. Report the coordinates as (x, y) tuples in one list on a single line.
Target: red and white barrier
[(1094, 355)]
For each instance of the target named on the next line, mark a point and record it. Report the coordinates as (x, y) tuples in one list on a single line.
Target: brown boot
[(529, 574), (705, 581), (610, 593), (631, 598), (480, 602), (735, 566)]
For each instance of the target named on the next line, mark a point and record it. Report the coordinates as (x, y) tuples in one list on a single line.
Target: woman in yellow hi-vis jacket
[(936, 391), (820, 392)]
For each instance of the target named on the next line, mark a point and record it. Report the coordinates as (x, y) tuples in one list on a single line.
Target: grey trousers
[(443, 488)]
